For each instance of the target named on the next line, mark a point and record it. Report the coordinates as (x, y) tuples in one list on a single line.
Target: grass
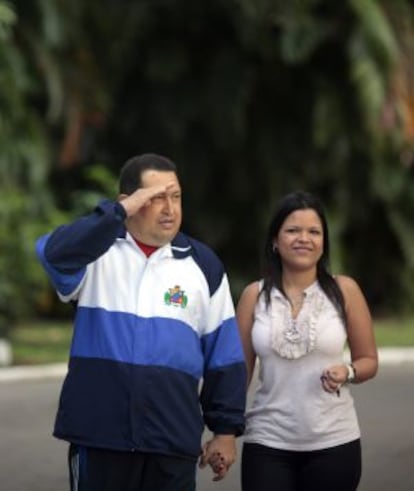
[(396, 331), (41, 342), (48, 342)]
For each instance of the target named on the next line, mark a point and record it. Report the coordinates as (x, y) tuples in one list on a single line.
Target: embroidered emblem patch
[(176, 297)]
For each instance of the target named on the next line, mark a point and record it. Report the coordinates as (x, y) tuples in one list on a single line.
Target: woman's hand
[(334, 377), (220, 454)]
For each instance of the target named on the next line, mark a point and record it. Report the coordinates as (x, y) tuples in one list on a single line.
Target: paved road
[(31, 460)]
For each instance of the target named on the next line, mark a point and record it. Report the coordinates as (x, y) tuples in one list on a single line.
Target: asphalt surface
[(32, 460)]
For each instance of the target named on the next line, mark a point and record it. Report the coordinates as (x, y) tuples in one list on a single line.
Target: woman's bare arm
[(245, 318)]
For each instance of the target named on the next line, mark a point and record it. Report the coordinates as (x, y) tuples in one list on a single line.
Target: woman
[(302, 430)]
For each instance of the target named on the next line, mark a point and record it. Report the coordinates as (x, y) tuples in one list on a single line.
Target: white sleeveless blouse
[(290, 409)]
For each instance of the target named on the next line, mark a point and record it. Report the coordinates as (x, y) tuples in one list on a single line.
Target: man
[(154, 317)]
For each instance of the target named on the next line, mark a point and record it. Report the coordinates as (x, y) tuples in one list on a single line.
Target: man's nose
[(168, 204)]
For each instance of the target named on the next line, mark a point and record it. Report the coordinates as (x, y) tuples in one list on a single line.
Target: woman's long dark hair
[(272, 267)]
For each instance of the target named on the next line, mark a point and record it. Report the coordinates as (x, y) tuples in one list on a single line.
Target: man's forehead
[(153, 177)]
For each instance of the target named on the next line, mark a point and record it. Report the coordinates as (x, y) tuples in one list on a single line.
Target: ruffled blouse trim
[(293, 338)]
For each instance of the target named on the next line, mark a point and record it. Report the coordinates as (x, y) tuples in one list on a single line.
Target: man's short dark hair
[(131, 172)]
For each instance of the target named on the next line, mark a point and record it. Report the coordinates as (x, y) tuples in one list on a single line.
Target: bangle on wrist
[(351, 373)]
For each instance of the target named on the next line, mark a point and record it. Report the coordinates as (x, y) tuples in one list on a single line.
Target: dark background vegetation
[(251, 98)]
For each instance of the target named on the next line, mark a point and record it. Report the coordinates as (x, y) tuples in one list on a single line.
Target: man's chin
[(166, 237)]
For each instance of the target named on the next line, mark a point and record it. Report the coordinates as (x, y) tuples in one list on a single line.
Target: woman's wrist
[(351, 376)]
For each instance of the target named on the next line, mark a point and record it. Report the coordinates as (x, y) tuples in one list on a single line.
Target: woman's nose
[(304, 236)]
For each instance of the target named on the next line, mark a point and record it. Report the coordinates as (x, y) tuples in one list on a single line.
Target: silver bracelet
[(351, 373)]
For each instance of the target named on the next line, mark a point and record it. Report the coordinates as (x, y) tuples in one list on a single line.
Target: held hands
[(142, 197), (334, 377), (220, 454)]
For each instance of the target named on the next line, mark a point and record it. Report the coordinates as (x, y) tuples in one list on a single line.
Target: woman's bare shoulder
[(250, 293), (348, 286), (251, 290)]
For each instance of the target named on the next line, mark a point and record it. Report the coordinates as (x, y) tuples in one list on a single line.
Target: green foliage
[(26, 203), (252, 98), (373, 52), (102, 184), (7, 19), (374, 27)]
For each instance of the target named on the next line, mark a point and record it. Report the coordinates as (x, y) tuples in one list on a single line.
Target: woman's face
[(300, 240)]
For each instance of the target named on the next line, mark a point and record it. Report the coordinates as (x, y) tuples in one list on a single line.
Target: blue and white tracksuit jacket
[(146, 332)]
